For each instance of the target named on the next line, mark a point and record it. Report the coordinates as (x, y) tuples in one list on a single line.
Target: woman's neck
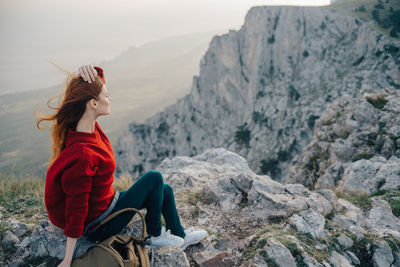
[(86, 124)]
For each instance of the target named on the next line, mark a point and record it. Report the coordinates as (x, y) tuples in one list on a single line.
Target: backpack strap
[(86, 231), (114, 214)]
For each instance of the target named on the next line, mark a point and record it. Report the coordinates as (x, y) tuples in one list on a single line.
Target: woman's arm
[(69, 250)]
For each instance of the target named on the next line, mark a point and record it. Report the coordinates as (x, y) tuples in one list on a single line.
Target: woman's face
[(103, 102)]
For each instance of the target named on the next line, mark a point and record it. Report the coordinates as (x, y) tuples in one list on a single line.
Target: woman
[(78, 189)]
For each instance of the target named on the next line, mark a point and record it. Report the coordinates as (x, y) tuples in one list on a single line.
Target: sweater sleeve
[(76, 183)]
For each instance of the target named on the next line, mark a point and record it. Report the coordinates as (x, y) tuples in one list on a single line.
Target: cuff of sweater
[(73, 231)]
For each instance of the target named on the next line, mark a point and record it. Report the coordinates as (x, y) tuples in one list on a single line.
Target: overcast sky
[(72, 32)]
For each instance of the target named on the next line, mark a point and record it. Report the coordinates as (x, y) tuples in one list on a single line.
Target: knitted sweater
[(78, 185)]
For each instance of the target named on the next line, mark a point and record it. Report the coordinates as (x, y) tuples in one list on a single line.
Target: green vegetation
[(385, 14), (361, 155), (332, 120), (313, 164), (242, 135), (286, 237), (270, 167), (270, 262), (360, 247), (193, 197), (361, 200), (297, 254), (379, 102), (22, 199), (311, 121), (393, 243), (22, 196), (162, 128), (392, 197)]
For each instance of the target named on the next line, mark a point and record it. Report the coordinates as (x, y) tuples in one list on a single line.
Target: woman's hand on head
[(88, 72)]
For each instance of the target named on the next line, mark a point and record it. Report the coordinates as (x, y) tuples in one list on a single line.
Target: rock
[(169, 257), (209, 258), (320, 246), (360, 176), (352, 257), (279, 253), (223, 192), (227, 244), (48, 242), (331, 196), (16, 227), (353, 138), (351, 219), (308, 222), (265, 106), (16, 263), (388, 177), (268, 198), (9, 240), (344, 241), (319, 203), (382, 254), (341, 150), (297, 189), (338, 260), (256, 261), (310, 261), (380, 216), (332, 176)]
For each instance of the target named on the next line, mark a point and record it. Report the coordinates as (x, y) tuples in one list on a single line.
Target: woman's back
[(81, 177)]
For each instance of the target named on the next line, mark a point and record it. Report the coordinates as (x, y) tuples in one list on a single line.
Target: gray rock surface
[(258, 95), (338, 260), (308, 222), (361, 160), (9, 240), (286, 223), (279, 253), (382, 255), (170, 257), (345, 241)]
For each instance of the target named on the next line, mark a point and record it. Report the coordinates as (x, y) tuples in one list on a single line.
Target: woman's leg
[(146, 192), (170, 213)]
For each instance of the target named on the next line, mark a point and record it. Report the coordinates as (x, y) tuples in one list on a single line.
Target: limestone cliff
[(261, 88)]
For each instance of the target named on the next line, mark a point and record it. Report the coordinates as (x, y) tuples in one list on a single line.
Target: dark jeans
[(149, 192)]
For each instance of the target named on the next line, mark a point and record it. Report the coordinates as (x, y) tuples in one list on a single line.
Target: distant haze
[(73, 32)]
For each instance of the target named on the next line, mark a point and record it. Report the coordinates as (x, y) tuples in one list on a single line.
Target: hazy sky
[(72, 32)]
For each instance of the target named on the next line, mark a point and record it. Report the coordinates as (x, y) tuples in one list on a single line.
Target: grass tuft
[(361, 199)]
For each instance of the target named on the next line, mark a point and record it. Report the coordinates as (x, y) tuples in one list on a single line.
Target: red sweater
[(78, 185)]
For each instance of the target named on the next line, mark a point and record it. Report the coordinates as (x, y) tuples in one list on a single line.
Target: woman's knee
[(168, 190), (154, 176)]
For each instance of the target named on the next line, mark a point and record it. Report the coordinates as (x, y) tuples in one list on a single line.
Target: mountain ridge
[(261, 88)]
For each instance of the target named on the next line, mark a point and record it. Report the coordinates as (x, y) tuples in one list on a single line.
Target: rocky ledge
[(251, 219)]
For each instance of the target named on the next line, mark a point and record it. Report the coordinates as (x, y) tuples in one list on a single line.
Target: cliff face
[(260, 89), (355, 147)]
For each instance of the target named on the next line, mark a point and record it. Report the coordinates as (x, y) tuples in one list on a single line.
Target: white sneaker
[(193, 237), (165, 239)]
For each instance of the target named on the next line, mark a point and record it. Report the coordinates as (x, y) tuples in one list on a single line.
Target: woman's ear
[(92, 103)]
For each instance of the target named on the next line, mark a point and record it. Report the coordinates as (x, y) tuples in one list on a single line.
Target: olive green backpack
[(117, 250)]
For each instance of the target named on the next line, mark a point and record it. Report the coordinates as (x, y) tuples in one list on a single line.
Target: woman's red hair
[(74, 98)]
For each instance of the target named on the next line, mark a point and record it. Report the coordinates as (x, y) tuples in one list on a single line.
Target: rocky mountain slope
[(251, 219), (356, 145), (261, 88)]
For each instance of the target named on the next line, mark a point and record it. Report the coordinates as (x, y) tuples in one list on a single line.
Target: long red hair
[(74, 98)]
